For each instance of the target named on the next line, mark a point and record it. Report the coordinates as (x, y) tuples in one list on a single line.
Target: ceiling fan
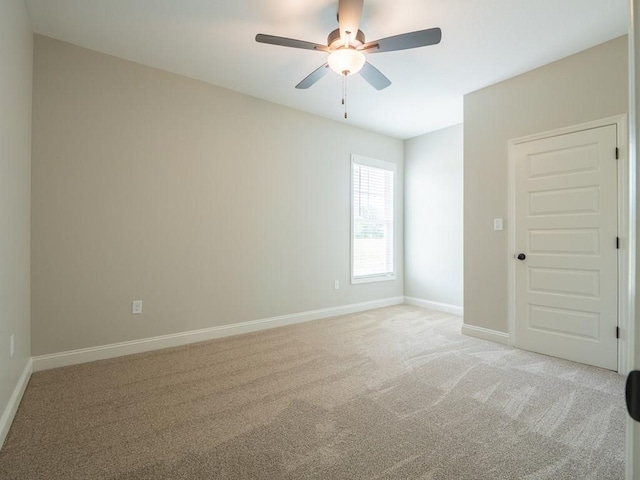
[(347, 47)]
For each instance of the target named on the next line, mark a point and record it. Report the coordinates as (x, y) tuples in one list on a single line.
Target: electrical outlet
[(11, 346), (136, 307), (336, 284)]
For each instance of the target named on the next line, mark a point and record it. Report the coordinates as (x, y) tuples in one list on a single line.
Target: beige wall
[(16, 53), (210, 206), (433, 216), (587, 86)]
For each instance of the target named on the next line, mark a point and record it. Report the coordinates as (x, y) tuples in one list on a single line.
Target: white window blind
[(372, 226)]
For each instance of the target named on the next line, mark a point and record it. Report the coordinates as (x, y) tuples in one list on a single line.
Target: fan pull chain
[(344, 91)]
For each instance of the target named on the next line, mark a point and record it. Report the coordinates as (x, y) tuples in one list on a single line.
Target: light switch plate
[(136, 307), (497, 224)]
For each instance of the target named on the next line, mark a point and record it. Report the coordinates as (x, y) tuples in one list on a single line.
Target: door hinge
[(617, 332), (617, 153), (617, 242)]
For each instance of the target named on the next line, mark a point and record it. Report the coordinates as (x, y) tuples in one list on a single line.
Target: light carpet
[(393, 393)]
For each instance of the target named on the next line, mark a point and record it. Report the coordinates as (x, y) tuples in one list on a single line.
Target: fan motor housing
[(334, 41)]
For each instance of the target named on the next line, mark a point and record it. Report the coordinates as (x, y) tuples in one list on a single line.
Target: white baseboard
[(485, 334), (14, 401), (83, 355), (438, 306)]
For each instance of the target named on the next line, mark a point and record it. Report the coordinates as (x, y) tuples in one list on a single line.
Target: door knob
[(633, 395), (521, 256)]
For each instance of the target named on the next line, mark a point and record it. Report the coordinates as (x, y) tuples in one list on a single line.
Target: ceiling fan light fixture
[(347, 60)]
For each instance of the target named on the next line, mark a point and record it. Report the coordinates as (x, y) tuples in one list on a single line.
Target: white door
[(566, 212)]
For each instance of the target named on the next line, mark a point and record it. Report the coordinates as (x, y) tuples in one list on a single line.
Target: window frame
[(393, 168)]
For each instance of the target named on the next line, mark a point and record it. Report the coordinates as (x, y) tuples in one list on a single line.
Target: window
[(372, 226)]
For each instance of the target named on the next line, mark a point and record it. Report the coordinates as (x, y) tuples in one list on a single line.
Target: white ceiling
[(483, 42)]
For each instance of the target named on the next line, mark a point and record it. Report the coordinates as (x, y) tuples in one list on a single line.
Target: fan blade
[(374, 76), (290, 42), (421, 38), (349, 13), (314, 76)]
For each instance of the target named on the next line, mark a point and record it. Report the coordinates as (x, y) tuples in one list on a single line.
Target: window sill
[(372, 279)]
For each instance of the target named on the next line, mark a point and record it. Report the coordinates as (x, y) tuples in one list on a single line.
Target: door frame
[(625, 352), (633, 428)]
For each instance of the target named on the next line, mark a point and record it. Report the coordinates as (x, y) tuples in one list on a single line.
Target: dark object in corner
[(633, 395)]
